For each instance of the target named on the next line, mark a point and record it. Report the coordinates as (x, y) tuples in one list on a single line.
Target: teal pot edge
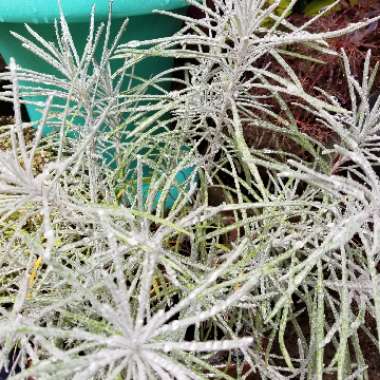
[(159, 26), (142, 27), (37, 11)]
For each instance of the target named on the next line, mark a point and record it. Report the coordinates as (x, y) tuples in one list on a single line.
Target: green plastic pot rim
[(40, 12), (19, 12)]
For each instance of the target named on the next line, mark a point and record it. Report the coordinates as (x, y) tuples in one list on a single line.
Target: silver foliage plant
[(100, 280)]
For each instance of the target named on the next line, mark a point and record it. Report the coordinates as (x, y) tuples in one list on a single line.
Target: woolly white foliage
[(99, 280)]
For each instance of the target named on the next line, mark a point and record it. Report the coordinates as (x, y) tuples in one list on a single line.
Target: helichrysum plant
[(99, 279)]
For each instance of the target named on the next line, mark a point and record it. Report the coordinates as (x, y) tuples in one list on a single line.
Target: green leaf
[(281, 7), (313, 8), (316, 6)]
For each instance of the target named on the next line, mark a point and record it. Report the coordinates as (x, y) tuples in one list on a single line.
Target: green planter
[(40, 14)]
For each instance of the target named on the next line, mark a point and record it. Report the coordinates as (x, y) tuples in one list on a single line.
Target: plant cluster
[(278, 279)]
